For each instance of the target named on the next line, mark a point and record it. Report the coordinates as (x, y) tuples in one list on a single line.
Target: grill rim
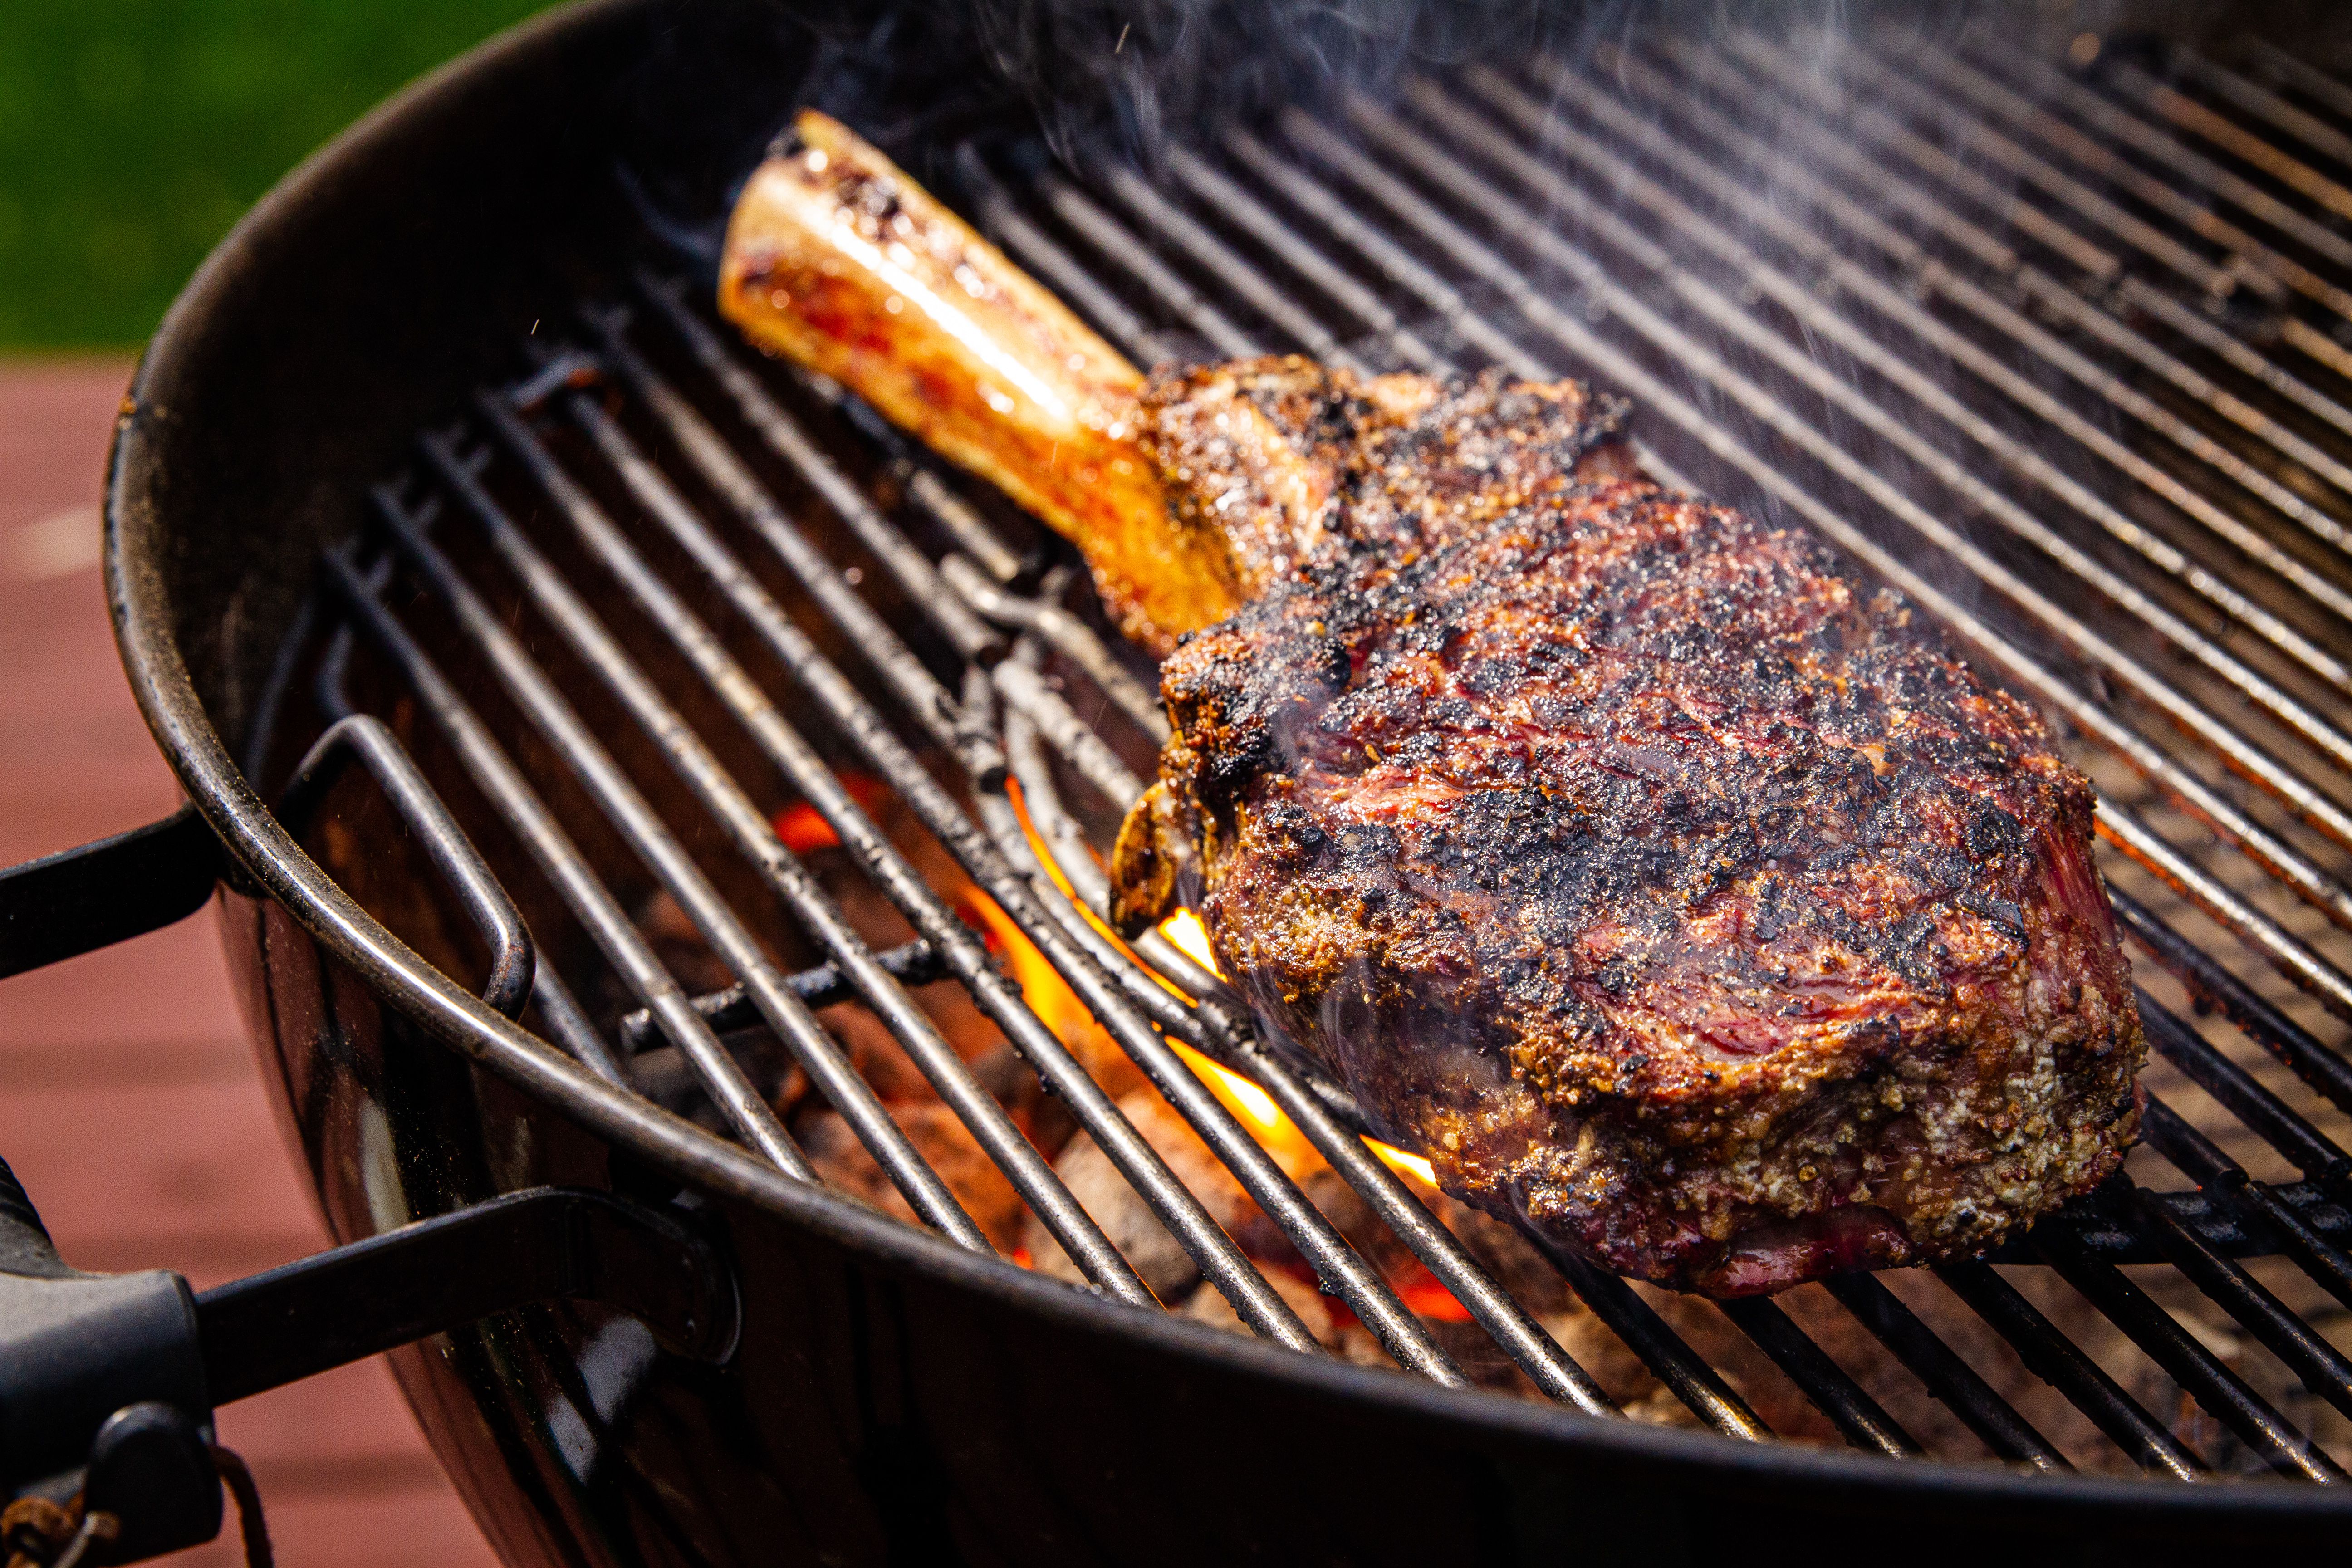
[(140, 539)]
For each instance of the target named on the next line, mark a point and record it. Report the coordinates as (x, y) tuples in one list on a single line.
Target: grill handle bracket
[(94, 894), (76, 1347), (108, 1381), (77, 901), (540, 1245)]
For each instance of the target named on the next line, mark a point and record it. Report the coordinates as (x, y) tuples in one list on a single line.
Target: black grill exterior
[(2047, 338)]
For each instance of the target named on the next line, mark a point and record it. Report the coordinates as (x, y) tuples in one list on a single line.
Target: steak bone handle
[(837, 260)]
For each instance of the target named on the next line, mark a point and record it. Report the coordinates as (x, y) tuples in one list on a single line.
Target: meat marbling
[(1675, 894)]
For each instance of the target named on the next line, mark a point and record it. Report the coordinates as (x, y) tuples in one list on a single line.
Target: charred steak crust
[(1671, 894)]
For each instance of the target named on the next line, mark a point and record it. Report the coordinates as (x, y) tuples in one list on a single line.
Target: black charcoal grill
[(442, 466)]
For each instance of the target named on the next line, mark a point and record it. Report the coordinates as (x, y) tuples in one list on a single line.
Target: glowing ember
[(1430, 1300), (1191, 939), (801, 829)]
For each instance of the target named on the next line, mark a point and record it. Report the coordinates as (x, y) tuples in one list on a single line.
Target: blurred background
[(132, 134)]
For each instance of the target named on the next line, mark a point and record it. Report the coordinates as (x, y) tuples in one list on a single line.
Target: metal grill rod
[(2322, 1068), (2188, 1363), (1824, 146), (1832, 1388), (2294, 960), (1077, 287), (2210, 1374), (1334, 1263), (2311, 1357), (822, 985), (2171, 104), (2284, 68), (1989, 96), (2053, 86), (2308, 880), (2323, 1368), (2242, 358), (2225, 1182), (1895, 306), (2057, 1360), (2309, 130), (1068, 636), (2325, 982), (1387, 257), (2273, 272), (538, 831), (1243, 212), (1999, 150), (964, 525), (2261, 1112), (2314, 807), (1026, 693), (2071, 307), (1835, 1391), (973, 638), (1163, 216), (1963, 1391), (1221, 1263), (536, 693), (566, 867), (1801, 365), (2318, 1157), (1760, 57), (1074, 207), (995, 1131)]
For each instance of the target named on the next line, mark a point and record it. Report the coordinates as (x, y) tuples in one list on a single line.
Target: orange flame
[(1256, 1109), (1187, 933), (1048, 994), (1251, 1105)]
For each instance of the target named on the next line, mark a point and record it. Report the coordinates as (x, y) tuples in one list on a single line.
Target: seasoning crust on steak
[(1674, 894), (1671, 893)]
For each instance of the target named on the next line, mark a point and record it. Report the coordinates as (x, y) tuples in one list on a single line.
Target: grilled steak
[(1675, 894)]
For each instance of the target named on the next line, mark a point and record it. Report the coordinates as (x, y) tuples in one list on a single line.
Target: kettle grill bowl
[(892, 1397)]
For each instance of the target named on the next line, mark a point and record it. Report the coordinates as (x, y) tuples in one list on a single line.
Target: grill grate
[(2056, 354)]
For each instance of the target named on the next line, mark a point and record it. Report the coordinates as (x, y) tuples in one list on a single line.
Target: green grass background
[(133, 132)]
